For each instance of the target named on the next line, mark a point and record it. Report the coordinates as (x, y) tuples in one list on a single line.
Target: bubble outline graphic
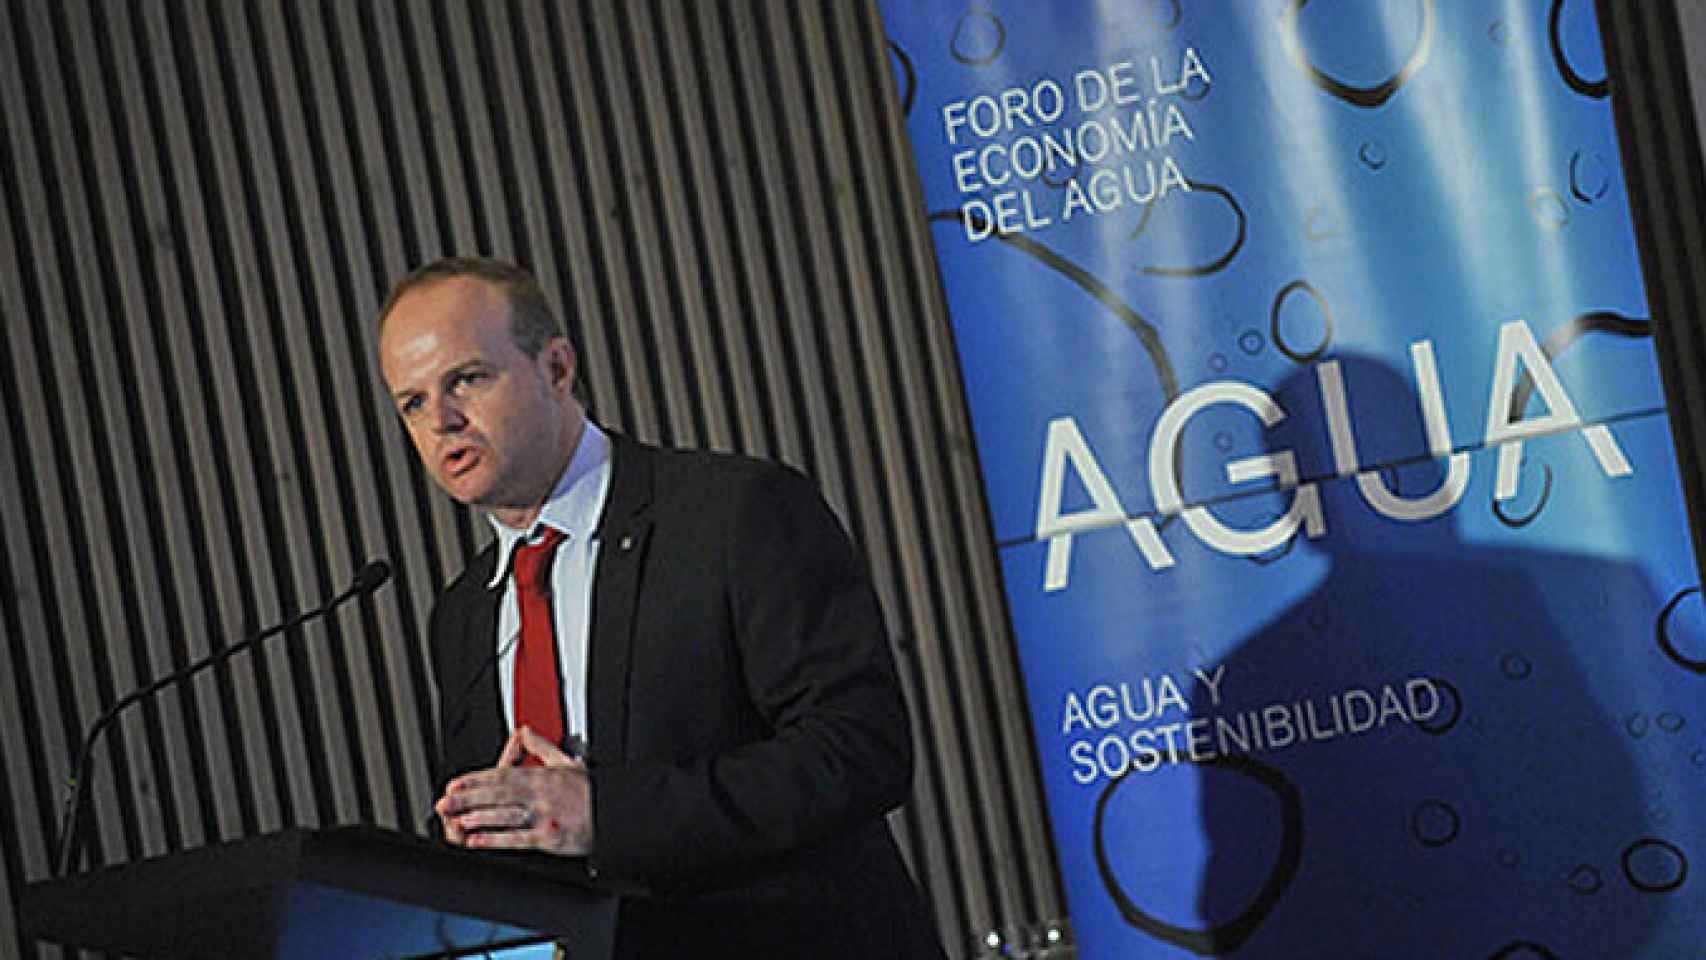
[(1378, 161), (1000, 39), (910, 86), (1510, 949), (1433, 803), (1575, 181), (1594, 321), (1274, 322), (1097, 289), (1663, 633), (1213, 266), (1071, 174), (1394, 480), (1636, 723), (1654, 843), (1592, 89), (1590, 872), (1428, 726), (1228, 935), (1102, 293), (1517, 523), (1178, 15), (1366, 97)]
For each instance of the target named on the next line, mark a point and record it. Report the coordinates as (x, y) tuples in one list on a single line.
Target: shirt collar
[(572, 506)]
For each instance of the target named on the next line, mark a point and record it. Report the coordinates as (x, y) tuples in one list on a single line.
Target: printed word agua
[(1065, 444)]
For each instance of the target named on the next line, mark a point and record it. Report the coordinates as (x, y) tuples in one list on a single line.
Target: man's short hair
[(532, 322)]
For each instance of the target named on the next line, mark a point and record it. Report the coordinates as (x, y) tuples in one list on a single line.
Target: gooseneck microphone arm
[(367, 580)]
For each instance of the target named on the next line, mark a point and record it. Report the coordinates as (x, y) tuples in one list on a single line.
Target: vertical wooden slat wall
[(1659, 49), (201, 205)]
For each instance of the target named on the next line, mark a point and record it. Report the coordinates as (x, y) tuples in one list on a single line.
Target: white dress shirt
[(574, 507)]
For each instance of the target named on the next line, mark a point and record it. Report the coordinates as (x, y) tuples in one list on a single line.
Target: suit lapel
[(474, 723), (486, 700), (623, 532)]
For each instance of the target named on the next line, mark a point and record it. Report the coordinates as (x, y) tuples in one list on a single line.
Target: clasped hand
[(515, 807)]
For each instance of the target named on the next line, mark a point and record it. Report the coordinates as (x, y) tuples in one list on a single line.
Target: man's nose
[(448, 416)]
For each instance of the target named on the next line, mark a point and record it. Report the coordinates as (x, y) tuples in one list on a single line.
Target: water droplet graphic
[(1585, 880), (1515, 666), (1435, 823)]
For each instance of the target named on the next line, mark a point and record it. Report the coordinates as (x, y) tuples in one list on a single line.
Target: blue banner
[(1313, 383)]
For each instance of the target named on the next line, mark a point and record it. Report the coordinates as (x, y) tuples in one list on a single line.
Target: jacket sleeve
[(815, 661)]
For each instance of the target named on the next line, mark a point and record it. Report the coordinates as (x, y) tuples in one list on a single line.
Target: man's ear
[(559, 358)]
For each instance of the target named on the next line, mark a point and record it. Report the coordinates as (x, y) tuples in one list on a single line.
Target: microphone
[(370, 578)]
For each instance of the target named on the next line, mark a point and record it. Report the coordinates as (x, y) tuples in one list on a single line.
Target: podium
[(343, 892)]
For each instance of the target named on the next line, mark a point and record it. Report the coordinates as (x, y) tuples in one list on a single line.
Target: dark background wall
[(201, 206)]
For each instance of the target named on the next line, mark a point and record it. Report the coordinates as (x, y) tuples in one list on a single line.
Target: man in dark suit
[(668, 663)]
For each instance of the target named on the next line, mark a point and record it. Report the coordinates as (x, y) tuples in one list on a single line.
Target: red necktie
[(538, 692)]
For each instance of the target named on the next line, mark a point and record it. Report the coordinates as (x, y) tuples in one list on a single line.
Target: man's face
[(493, 426)]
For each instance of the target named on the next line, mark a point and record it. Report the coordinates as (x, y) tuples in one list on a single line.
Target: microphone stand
[(367, 580)]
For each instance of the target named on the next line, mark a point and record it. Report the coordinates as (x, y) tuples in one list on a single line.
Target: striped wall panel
[(1659, 50), (201, 205)]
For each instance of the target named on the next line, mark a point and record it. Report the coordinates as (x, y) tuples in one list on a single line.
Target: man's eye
[(469, 377), (409, 406)]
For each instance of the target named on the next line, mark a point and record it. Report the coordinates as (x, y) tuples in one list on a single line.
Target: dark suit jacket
[(747, 731)]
